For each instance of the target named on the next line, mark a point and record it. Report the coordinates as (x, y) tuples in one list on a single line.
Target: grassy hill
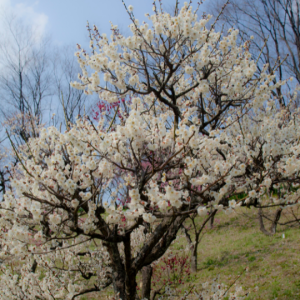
[(235, 243)]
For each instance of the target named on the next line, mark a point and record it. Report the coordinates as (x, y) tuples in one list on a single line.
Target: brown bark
[(34, 266), (194, 246), (274, 222), (119, 284), (146, 282), (211, 221), (124, 273), (194, 257), (130, 273), (159, 241), (192, 249), (118, 274), (130, 286)]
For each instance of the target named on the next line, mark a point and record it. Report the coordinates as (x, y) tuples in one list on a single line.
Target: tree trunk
[(194, 263), (211, 221), (274, 222), (130, 273), (261, 223), (118, 285), (130, 286), (192, 249), (146, 282), (152, 250), (118, 274)]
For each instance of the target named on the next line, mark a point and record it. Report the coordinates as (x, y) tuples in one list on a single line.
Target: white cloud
[(26, 13)]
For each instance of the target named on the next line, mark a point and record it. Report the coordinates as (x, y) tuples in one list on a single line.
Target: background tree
[(193, 245), (272, 27), (25, 80), (65, 69)]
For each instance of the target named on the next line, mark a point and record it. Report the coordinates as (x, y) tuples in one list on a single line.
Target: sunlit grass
[(235, 243)]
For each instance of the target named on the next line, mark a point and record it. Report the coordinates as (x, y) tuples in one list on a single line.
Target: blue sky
[(65, 20)]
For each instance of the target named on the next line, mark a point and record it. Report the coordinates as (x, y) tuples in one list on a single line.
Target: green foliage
[(252, 258)]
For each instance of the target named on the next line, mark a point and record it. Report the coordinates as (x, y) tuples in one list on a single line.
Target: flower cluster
[(200, 130)]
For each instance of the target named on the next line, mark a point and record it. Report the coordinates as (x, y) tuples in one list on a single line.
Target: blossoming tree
[(200, 127)]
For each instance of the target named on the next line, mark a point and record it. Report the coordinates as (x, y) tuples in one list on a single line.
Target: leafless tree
[(65, 70), (275, 28), (25, 84), (193, 245), (25, 80)]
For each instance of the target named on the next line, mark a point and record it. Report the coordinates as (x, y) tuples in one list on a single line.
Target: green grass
[(236, 243)]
